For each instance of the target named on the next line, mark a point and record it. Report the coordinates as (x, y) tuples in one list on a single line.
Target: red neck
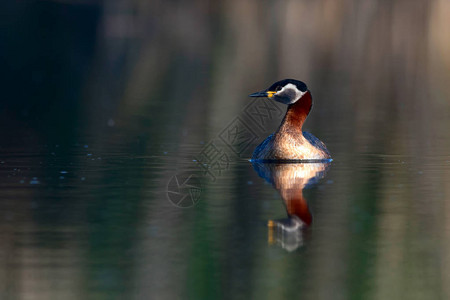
[(296, 113)]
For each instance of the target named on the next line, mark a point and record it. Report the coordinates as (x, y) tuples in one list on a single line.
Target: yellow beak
[(270, 94)]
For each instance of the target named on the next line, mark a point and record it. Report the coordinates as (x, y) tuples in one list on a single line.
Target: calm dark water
[(126, 133), (93, 219)]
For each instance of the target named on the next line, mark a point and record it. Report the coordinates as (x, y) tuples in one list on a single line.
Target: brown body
[(289, 142)]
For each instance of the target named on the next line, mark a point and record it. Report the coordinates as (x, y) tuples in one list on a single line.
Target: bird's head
[(287, 91)]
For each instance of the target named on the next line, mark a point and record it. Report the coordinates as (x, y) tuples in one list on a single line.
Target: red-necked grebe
[(289, 142)]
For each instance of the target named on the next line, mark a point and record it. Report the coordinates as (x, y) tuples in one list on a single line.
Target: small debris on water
[(34, 181)]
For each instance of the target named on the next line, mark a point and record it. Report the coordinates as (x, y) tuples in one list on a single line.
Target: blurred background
[(104, 101)]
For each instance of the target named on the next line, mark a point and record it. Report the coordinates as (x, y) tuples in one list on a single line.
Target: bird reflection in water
[(289, 179)]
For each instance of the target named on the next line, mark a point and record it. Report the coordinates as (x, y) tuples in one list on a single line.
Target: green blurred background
[(103, 101)]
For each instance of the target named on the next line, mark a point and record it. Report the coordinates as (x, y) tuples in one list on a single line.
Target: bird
[(289, 142), (290, 179)]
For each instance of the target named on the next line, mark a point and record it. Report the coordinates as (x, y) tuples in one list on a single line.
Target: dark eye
[(278, 88)]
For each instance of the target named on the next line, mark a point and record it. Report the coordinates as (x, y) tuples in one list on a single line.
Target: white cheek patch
[(292, 91)]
